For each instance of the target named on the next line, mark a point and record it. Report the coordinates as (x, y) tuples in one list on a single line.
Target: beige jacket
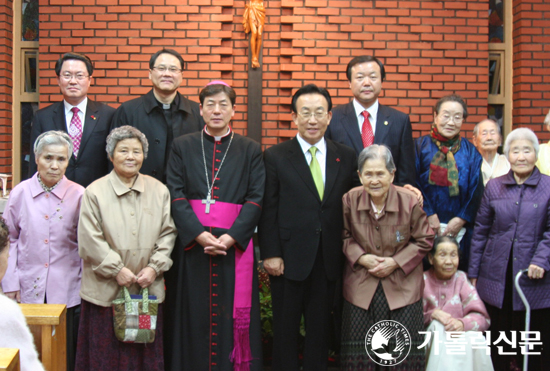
[(123, 227), (402, 232)]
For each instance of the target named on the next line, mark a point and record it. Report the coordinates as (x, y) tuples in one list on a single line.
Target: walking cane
[(527, 316)]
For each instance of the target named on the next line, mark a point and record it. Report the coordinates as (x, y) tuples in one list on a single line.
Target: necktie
[(75, 130), (367, 136), (316, 172)]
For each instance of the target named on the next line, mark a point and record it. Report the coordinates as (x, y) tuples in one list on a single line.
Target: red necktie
[(75, 130), (367, 136)]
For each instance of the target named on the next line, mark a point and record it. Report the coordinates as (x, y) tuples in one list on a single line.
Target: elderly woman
[(448, 173), (386, 235), (487, 139), (13, 327), (126, 235), (543, 162), (451, 303), (42, 216), (512, 232)]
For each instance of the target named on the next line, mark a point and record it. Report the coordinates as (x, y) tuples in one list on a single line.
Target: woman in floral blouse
[(452, 304)]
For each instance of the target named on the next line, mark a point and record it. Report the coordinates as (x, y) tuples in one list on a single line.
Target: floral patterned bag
[(135, 316)]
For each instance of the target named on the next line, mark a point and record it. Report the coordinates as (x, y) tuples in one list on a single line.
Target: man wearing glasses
[(87, 122), (162, 114)]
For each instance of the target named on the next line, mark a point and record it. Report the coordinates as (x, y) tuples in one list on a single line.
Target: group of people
[(163, 194)]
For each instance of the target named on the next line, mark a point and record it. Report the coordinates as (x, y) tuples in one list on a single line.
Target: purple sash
[(223, 215)]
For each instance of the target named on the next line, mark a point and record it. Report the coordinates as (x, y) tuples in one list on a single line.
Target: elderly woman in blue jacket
[(512, 232), (448, 172)]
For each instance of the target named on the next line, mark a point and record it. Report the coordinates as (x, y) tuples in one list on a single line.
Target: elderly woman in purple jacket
[(512, 232)]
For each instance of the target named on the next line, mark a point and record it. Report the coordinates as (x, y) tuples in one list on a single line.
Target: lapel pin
[(386, 123), (95, 118), (337, 160)]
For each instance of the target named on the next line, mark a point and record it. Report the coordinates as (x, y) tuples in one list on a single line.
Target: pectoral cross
[(208, 201)]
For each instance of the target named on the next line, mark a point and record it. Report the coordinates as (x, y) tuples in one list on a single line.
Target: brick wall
[(531, 65), (430, 48), (6, 23)]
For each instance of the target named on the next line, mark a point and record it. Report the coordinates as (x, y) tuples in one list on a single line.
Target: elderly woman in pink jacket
[(42, 216)]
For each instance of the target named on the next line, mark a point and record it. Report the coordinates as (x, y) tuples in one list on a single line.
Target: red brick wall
[(531, 65), (430, 48), (6, 29)]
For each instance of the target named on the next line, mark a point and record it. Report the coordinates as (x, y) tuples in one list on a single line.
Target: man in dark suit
[(87, 122), (163, 114), (385, 125), (300, 230)]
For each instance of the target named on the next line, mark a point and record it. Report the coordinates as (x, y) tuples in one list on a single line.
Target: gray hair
[(375, 152), (520, 134), (476, 128), (125, 132), (53, 138)]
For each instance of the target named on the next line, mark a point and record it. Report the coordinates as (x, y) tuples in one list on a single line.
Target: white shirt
[(81, 113), (373, 115), (320, 155)]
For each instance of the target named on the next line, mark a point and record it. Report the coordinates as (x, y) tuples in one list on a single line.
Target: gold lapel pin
[(386, 123)]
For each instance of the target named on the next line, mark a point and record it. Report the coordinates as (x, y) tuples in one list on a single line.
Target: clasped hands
[(215, 246), (144, 278), (450, 323), (378, 266)]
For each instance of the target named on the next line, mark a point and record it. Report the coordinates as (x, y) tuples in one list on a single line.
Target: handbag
[(135, 316)]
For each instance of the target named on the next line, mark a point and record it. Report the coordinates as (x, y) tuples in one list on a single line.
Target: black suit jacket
[(393, 129), (92, 161), (295, 222), (145, 114)]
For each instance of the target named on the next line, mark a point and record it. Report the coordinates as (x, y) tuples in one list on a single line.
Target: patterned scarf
[(443, 170)]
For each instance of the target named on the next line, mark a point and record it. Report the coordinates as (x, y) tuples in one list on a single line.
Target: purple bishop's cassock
[(201, 301)]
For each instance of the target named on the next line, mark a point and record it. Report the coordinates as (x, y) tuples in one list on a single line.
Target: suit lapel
[(382, 130), (58, 117), (351, 125), (332, 169), (298, 161), (90, 123)]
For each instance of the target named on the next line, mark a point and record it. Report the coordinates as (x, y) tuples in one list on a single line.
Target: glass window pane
[(27, 114), (496, 21), (29, 21), (30, 60), (496, 113)]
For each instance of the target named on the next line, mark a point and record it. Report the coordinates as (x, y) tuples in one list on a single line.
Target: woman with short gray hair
[(126, 132), (42, 215), (512, 233), (386, 235), (126, 235)]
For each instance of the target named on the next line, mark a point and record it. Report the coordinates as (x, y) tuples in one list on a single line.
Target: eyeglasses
[(318, 115), (445, 117), (79, 76), (163, 69)]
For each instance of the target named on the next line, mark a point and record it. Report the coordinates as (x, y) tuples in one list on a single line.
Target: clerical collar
[(217, 138), (171, 106), (45, 187)]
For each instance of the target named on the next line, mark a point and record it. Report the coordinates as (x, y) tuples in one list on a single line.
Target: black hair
[(74, 56), (311, 89), (442, 239), (364, 59), (213, 89), (452, 98), (166, 51)]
